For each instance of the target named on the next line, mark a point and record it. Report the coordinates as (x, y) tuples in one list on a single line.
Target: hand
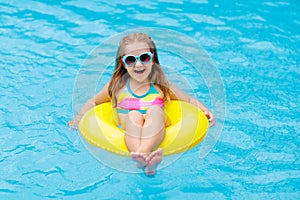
[(210, 117), (73, 123)]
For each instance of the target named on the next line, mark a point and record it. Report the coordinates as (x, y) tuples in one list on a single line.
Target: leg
[(134, 123), (145, 135), (153, 133)]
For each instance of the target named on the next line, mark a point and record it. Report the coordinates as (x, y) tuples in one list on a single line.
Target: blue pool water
[(253, 152)]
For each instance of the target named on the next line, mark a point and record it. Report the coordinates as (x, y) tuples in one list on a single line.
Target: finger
[(212, 122), (71, 127), (206, 113), (209, 117)]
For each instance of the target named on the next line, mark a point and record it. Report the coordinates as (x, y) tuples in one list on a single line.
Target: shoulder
[(158, 88), (122, 89)]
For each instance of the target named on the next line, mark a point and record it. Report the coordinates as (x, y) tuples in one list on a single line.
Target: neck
[(137, 86)]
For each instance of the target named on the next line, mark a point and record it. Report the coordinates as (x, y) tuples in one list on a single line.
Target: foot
[(153, 160), (140, 159)]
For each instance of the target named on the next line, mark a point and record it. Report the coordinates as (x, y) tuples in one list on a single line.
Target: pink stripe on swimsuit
[(129, 101)]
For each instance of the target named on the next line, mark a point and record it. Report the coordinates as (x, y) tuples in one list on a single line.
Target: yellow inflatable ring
[(188, 128)]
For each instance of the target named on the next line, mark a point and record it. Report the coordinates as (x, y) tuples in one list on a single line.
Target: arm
[(177, 94), (101, 97)]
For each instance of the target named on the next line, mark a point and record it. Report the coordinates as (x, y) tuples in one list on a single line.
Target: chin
[(141, 77)]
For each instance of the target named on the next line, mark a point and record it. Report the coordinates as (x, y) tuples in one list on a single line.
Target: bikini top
[(128, 101)]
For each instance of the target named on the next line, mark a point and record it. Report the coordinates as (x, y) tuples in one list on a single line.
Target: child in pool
[(138, 89)]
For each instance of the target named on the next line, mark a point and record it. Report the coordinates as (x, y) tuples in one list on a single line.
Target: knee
[(135, 118)]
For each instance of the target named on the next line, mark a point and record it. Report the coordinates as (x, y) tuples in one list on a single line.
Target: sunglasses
[(144, 58)]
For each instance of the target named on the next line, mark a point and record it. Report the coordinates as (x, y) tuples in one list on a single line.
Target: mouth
[(140, 71)]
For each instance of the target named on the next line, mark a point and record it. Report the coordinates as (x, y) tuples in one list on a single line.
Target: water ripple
[(20, 149), (46, 173), (198, 18), (86, 189)]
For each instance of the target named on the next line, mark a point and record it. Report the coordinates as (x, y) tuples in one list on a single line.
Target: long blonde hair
[(120, 74)]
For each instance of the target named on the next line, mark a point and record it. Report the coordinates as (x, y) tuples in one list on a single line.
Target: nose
[(138, 63)]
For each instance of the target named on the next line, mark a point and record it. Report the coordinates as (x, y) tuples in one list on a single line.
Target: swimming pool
[(44, 44)]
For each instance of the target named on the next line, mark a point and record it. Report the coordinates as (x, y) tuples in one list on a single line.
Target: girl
[(138, 89)]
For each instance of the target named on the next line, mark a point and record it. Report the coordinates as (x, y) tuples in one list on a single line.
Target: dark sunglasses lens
[(145, 57), (130, 60)]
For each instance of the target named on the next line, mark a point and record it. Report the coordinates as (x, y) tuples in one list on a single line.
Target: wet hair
[(120, 74)]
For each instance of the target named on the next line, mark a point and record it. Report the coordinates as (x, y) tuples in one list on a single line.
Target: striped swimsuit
[(129, 101)]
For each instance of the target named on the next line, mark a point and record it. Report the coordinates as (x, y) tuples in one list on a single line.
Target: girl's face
[(140, 71)]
